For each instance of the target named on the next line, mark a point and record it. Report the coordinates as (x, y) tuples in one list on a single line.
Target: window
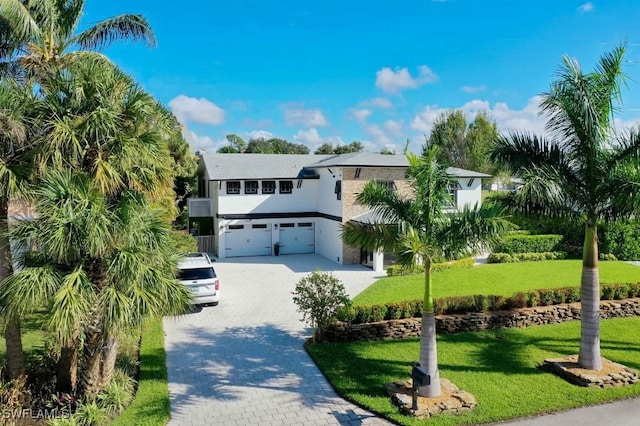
[(338, 190), (236, 226), (454, 187), (286, 186), (305, 225), (268, 186), (287, 225), (233, 187), (259, 226), (251, 187)]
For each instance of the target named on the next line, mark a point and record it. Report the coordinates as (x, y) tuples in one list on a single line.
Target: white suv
[(196, 272)]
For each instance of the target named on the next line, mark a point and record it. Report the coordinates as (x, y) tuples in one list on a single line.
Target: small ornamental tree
[(318, 296)]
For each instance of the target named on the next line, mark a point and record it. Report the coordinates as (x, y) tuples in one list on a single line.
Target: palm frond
[(122, 27)]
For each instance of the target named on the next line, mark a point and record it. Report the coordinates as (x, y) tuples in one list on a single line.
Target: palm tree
[(100, 266), (35, 38), (581, 169), (420, 228), (38, 34), (15, 103)]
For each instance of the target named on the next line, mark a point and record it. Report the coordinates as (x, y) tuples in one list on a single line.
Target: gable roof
[(361, 159), (257, 166), (301, 166)]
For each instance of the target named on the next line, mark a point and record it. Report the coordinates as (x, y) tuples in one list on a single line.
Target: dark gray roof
[(361, 159), (297, 166), (257, 166)]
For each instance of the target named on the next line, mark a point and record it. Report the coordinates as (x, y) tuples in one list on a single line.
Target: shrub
[(633, 289), (183, 242), (378, 312), (607, 256), (606, 292), (318, 296), (118, 393), (621, 239), (346, 313), (533, 298), (518, 300), (398, 270), (91, 414), (525, 257), (519, 243)]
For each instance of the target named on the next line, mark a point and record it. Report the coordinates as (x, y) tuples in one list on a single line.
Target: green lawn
[(151, 404), (501, 279), (497, 367)]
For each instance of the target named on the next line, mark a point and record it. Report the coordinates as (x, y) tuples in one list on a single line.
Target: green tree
[(275, 146), (236, 145), (327, 148), (420, 228), (16, 102), (37, 35), (35, 41), (100, 265), (581, 170), (462, 144)]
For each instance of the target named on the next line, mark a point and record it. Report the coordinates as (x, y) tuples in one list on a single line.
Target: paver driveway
[(242, 362)]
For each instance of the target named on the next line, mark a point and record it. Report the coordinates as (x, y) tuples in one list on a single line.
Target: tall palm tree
[(420, 227), (100, 266), (581, 169), (15, 103), (36, 38), (38, 35)]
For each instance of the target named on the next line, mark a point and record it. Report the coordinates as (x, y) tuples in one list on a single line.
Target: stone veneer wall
[(411, 327), (352, 186)]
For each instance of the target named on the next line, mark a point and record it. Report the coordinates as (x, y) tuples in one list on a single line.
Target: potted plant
[(276, 249)]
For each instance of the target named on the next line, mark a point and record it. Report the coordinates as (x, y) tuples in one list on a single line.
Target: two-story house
[(249, 202)]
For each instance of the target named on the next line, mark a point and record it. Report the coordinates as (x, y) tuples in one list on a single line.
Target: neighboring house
[(249, 202)]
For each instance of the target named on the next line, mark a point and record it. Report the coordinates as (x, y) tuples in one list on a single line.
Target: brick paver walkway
[(242, 362)]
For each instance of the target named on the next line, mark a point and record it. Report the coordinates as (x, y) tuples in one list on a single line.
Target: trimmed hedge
[(523, 243), (481, 303), (525, 257), (397, 270)]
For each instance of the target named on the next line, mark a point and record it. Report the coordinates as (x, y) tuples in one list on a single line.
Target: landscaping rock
[(452, 400), (612, 373)]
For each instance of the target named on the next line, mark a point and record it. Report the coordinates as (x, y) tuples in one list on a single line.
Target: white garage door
[(248, 240), (297, 238)]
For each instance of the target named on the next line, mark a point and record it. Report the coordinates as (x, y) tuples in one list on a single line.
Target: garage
[(297, 237), (248, 240)]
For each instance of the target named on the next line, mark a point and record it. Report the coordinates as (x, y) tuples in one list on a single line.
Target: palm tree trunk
[(108, 363), (428, 344), (67, 368), (589, 356), (91, 359), (12, 332)]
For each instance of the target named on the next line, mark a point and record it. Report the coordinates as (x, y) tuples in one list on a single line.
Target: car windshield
[(196, 274)]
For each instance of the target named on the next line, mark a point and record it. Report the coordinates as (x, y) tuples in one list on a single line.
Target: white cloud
[(507, 119), (309, 137), (474, 89), (258, 134), (360, 115), (378, 135), (394, 128), (586, 8), (393, 82), (202, 143), (196, 110), (378, 102), (304, 117)]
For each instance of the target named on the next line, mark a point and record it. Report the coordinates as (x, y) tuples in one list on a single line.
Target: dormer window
[(233, 187), (286, 186), (251, 187), (268, 186)]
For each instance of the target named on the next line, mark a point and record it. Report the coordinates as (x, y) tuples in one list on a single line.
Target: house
[(249, 202)]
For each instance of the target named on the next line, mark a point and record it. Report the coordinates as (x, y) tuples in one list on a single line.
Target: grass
[(498, 367), (151, 404), (503, 279), (33, 336)]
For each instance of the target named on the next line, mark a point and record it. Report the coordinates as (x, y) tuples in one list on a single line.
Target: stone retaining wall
[(524, 317)]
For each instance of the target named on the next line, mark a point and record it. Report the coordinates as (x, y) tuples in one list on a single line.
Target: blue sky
[(374, 71)]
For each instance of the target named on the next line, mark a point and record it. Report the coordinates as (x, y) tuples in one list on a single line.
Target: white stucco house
[(249, 202)]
